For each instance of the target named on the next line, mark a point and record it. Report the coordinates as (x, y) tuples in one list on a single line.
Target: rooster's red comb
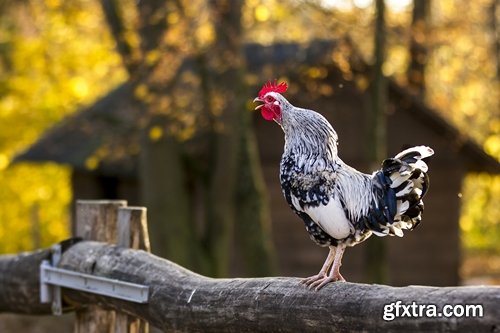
[(273, 87)]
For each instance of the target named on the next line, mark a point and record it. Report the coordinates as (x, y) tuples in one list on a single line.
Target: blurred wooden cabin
[(327, 76)]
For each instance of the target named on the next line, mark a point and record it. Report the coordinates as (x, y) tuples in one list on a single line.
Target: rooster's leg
[(334, 273), (324, 270)]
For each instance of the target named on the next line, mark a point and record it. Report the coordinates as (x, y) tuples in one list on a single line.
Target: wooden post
[(97, 220), (132, 233)]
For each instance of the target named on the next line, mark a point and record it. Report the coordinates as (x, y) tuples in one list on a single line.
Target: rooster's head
[(270, 95)]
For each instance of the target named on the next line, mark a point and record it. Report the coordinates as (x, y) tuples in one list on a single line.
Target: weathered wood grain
[(182, 301), (20, 282), (97, 220), (132, 232)]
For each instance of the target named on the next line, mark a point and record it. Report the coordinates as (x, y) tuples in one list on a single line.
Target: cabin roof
[(113, 122)]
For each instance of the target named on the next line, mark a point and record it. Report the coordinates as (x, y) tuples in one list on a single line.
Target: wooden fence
[(115, 245)]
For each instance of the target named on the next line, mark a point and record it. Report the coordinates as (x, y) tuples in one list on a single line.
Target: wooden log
[(17, 293), (132, 233), (96, 220), (182, 301)]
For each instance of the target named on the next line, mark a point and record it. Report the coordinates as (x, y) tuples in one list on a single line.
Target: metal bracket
[(53, 278)]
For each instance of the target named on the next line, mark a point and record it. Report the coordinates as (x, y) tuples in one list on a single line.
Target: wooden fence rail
[(183, 301)]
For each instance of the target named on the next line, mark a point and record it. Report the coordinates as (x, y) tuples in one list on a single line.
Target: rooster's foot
[(309, 280), (321, 282)]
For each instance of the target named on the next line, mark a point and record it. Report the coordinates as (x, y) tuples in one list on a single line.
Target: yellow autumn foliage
[(55, 58)]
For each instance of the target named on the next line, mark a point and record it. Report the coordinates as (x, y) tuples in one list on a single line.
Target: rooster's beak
[(258, 100)]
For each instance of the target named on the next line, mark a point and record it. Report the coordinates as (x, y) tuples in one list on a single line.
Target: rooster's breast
[(331, 218), (312, 195)]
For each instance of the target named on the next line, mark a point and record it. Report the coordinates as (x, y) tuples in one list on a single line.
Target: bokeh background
[(151, 101)]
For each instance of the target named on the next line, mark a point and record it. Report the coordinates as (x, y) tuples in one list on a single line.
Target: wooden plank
[(96, 220), (132, 233)]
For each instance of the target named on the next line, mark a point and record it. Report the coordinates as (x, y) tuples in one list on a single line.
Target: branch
[(116, 25), (153, 24), (182, 301), (419, 33)]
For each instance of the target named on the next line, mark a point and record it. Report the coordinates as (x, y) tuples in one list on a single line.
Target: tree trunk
[(152, 24), (253, 220), (114, 18), (234, 182), (376, 264), (240, 186), (182, 301), (418, 45), (164, 192), (161, 172), (226, 86)]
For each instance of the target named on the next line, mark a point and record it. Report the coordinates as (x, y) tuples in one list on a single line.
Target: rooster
[(339, 205)]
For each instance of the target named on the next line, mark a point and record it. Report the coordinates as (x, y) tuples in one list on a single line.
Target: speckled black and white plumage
[(312, 175), (339, 205)]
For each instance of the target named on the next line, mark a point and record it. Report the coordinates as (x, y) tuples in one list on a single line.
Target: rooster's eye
[(269, 99)]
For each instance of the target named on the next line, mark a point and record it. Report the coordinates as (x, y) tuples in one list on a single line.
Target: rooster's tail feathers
[(400, 186)]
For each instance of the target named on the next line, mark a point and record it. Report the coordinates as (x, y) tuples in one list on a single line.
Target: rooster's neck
[(309, 134)]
